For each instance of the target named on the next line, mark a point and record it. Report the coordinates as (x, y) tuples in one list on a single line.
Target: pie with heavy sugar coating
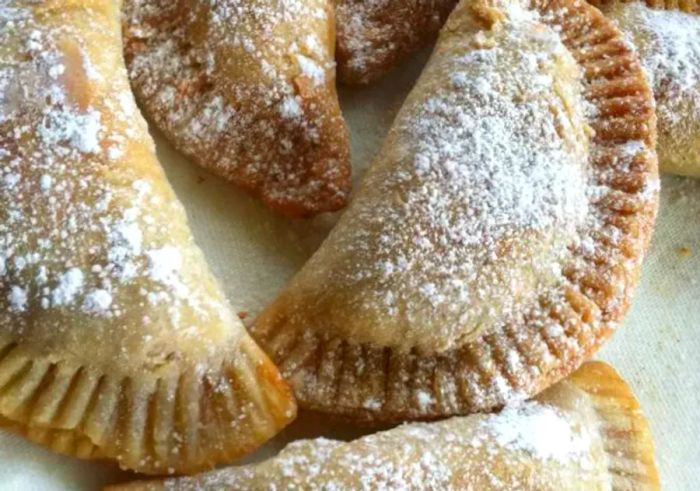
[(115, 339), (496, 240)]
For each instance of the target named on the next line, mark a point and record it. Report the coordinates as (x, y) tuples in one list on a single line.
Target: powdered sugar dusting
[(80, 130), (164, 263), (473, 204), (98, 301), (18, 298), (374, 34), (252, 99), (298, 464), (667, 41), (533, 446), (538, 430), (78, 230), (311, 69), (70, 285)]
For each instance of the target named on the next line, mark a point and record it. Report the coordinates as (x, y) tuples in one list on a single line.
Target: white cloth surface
[(254, 252)]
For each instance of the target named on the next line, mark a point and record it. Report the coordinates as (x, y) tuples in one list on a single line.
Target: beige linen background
[(254, 252)]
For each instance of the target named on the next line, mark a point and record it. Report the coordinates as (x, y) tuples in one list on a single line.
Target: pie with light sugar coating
[(375, 36), (246, 88)]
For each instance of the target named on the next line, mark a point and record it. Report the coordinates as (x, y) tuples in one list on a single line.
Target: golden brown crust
[(173, 424), (604, 443), (248, 95), (665, 36), (628, 440), (116, 341), (373, 37), (373, 383)]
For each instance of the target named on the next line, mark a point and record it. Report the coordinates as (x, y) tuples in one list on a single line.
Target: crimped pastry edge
[(624, 429), (153, 425), (624, 432), (675, 157)]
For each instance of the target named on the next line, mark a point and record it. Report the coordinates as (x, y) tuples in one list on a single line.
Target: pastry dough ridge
[(666, 35), (586, 432)]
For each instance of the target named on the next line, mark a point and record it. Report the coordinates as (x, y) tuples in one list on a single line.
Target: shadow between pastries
[(246, 89), (496, 240), (587, 432), (667, 37), (115, 339)]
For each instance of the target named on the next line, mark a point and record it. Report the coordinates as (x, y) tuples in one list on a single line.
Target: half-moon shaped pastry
[(667, 37), (247, 90), (115, 339), (496, 239), (373, 36), (587, 432)]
